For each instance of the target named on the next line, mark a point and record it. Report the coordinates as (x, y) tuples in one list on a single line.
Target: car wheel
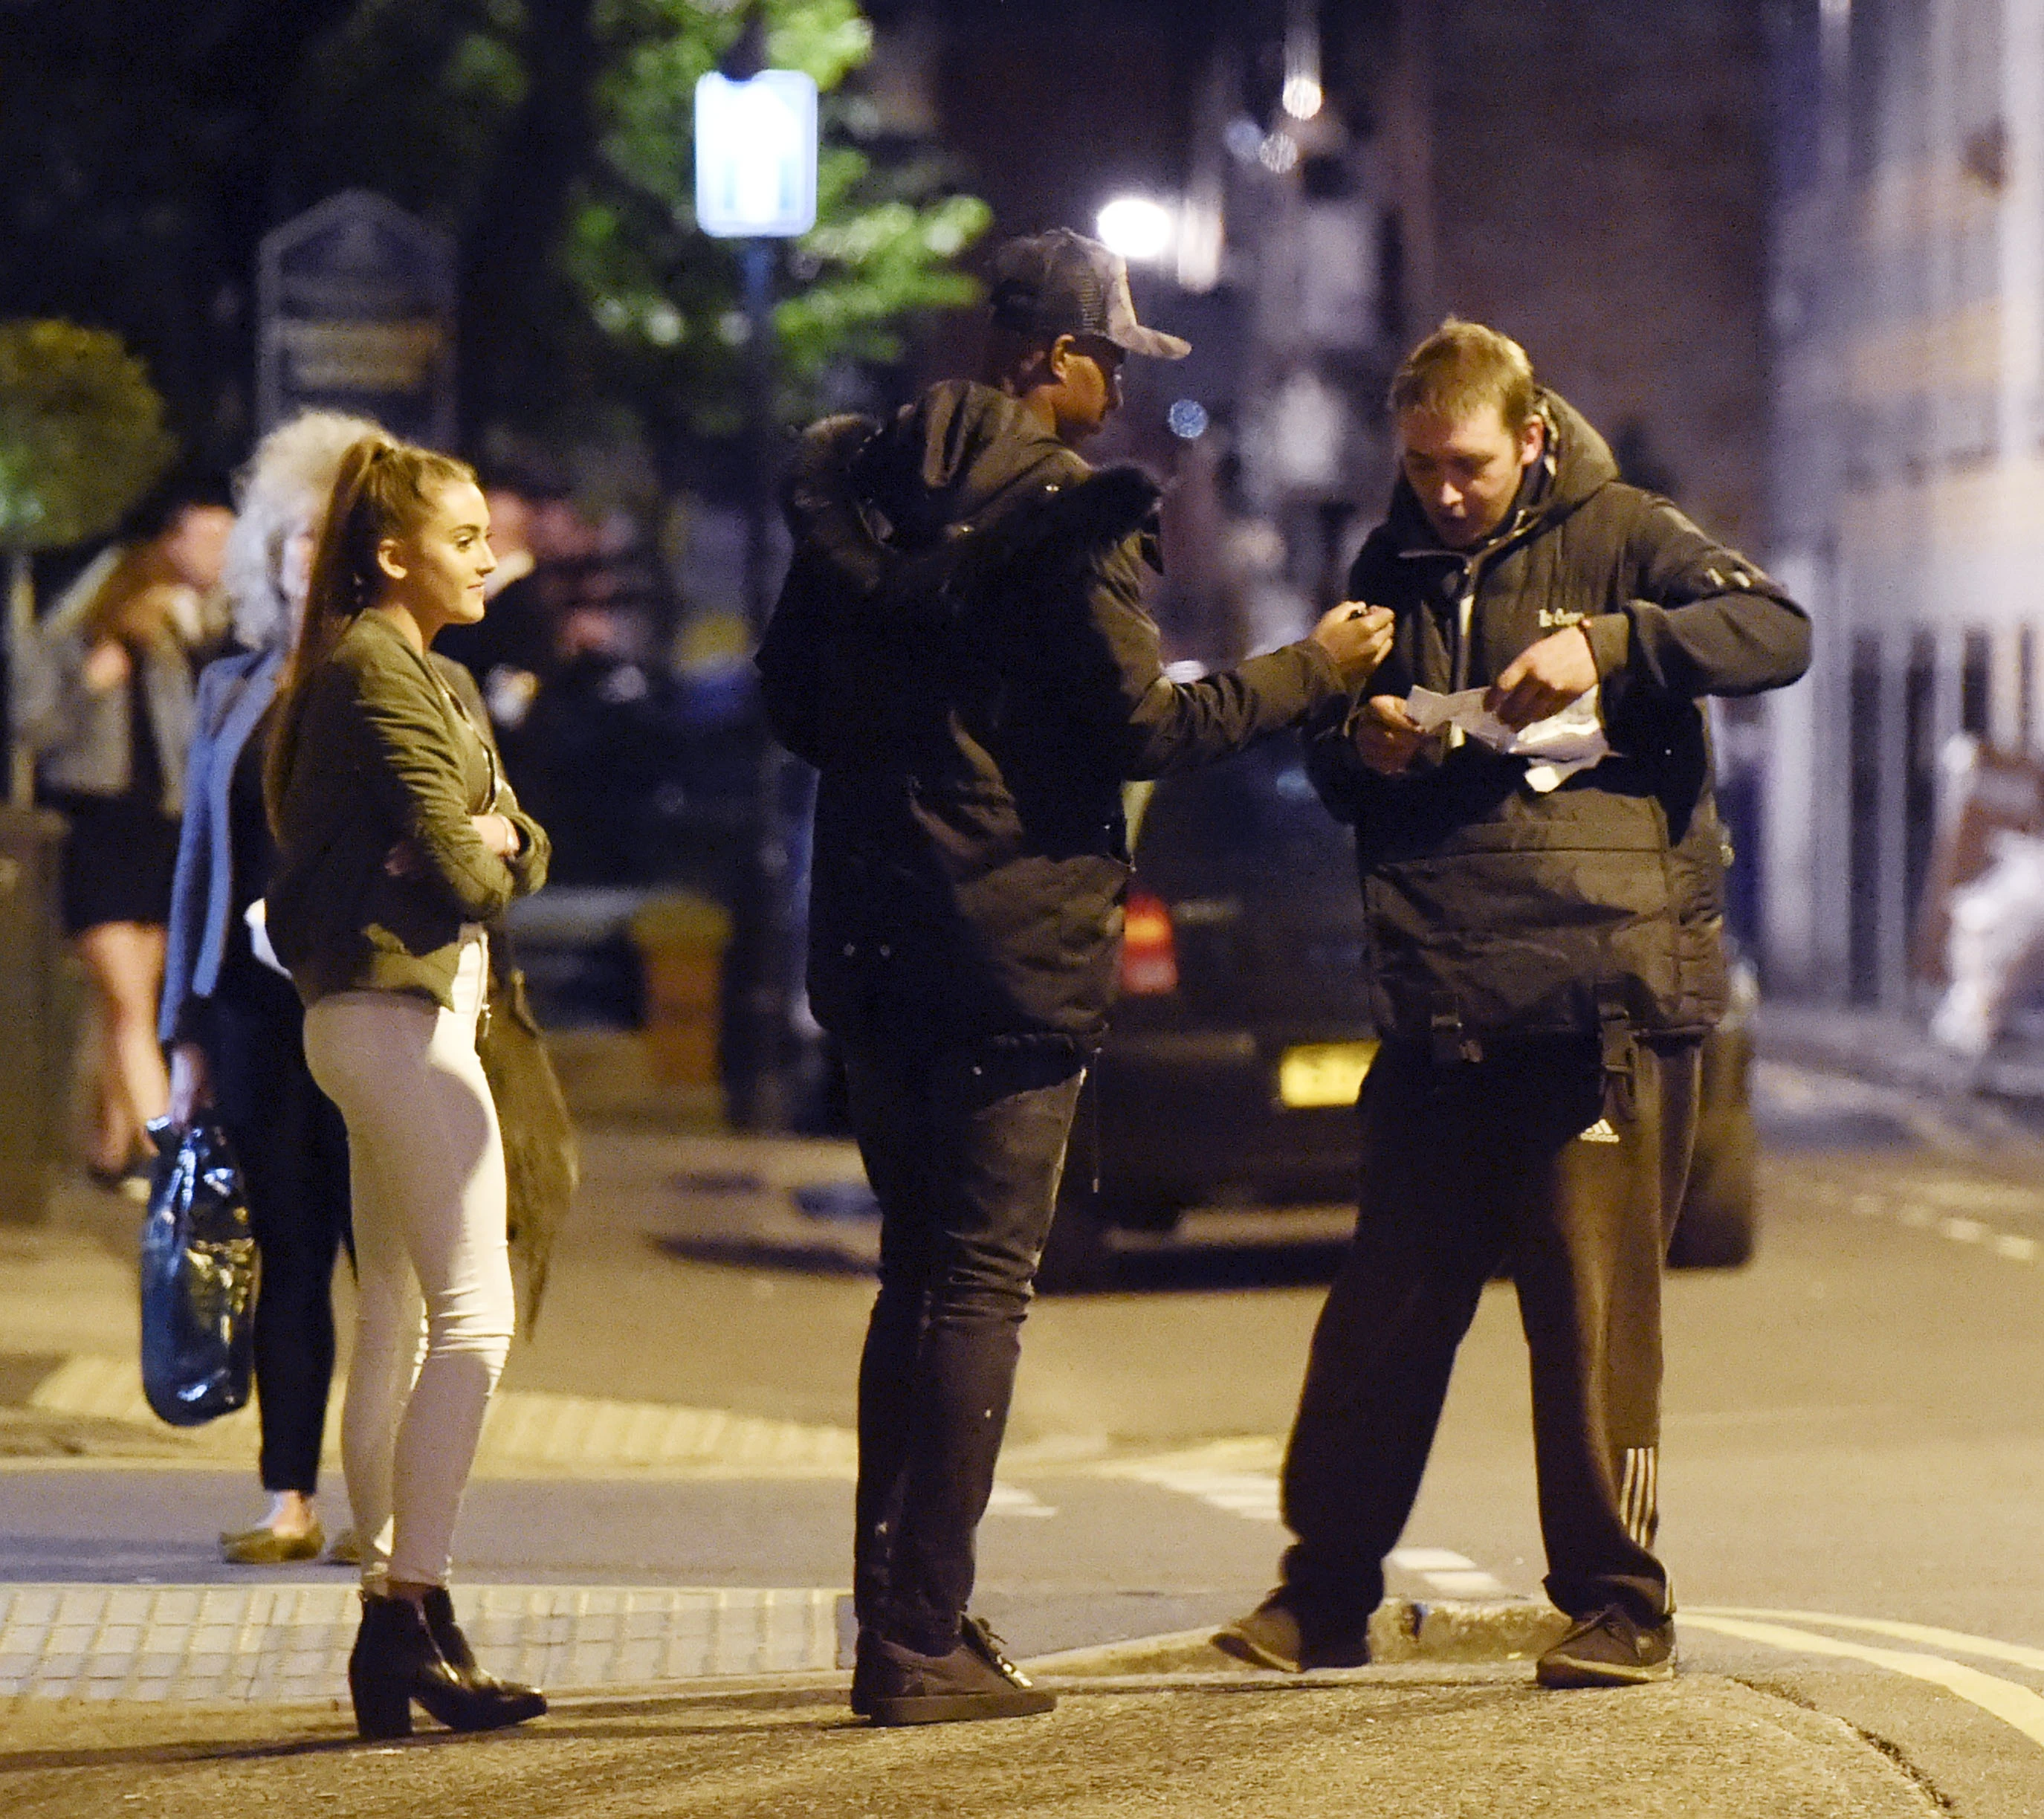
[(1720, 1217), (1077, 1257)]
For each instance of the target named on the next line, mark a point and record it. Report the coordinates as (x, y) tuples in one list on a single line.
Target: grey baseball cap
[(1061, 283)]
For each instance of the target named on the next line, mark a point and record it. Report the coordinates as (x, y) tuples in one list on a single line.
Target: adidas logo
[(1600, 1131)]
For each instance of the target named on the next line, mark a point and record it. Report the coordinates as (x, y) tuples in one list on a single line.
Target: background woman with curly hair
[(229, 1017)]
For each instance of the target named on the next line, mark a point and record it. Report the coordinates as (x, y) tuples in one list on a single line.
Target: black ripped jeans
[(964, 1151)]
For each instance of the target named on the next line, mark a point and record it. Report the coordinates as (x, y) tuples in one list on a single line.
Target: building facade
[(1907, 300)]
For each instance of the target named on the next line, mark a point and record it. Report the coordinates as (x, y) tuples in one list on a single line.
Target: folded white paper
[(1558, 746)]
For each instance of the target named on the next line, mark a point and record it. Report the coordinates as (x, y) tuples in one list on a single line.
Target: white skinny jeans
[(426, 1165)]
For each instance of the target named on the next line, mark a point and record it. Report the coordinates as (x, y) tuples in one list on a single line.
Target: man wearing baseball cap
[(961, 651)]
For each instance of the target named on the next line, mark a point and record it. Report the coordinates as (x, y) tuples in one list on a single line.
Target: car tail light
[(1149, 950)]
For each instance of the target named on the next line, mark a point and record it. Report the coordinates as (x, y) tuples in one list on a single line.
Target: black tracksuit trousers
[(1515, 1161), (965, 1151)]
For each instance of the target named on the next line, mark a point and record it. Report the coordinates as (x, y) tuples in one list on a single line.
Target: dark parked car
[(1242, 1038)]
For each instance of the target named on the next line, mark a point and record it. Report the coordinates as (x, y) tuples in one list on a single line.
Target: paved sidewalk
[(1418, 1742), (1890, 1049), (281, 1642)]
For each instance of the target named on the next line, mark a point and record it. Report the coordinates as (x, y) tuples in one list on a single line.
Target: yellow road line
[(2014, 1705), (2016, 1654)]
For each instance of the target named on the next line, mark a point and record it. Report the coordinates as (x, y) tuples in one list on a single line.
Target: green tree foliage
[(665, 294), (553, 137), (145, 149), (81, 435)]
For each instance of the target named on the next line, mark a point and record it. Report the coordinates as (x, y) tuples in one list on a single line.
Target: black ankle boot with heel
[(439, 1608), (396, 1660)]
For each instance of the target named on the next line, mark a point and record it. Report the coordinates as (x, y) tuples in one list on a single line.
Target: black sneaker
[(974, 1681), (1272, 1636), (1607, 1649)]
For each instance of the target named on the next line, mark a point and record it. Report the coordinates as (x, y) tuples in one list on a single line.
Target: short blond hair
[(283, 485), (1461, 368)]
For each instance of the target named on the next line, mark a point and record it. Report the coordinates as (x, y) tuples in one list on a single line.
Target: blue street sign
[(756, 156)]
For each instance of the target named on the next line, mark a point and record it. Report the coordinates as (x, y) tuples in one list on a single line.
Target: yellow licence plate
[(1323, 1073)]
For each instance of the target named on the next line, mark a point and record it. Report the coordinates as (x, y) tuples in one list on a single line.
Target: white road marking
[(2014, 1705), (1252, 1495), (1918, 1206), (1455, 1575), (1988, 1647), (1475, 1583), (1427, 1560), (1012, 1500)]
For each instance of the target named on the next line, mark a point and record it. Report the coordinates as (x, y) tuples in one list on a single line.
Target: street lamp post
[(769, 992), (755, 167)]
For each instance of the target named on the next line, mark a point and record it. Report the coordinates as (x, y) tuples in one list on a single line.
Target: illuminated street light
[(1302, 94), (756, 155), (1138, 227), (1302, 97)]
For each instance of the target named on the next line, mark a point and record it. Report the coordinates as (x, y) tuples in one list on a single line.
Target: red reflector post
[(1149, 950)]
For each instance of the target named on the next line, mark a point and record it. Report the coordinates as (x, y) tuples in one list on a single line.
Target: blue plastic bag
[(198, 1279)]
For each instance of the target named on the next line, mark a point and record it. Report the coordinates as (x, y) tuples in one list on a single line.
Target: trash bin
[(681, 938), (35, 1013)]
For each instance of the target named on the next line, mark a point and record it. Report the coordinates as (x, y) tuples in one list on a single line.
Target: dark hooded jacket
[(1495, 912), (961, 653)]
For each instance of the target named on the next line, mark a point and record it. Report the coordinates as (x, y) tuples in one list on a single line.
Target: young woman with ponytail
[(398, 841)]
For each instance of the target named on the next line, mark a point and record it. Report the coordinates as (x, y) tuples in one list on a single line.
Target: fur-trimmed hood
[(961, 650), (921, 517)]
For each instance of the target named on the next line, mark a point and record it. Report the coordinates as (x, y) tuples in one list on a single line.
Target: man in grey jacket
[(1544, 956), (961, 651)]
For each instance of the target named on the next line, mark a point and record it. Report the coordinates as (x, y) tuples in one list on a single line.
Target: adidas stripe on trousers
[(1513, 1164)]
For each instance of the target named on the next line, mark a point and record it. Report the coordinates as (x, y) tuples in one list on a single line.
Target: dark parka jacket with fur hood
[(961, 651), (1494, 912)]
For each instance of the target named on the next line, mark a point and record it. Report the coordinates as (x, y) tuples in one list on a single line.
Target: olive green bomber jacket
[(379, 753)]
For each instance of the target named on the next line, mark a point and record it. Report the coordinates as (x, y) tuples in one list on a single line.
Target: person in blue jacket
[(230, 1016)]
